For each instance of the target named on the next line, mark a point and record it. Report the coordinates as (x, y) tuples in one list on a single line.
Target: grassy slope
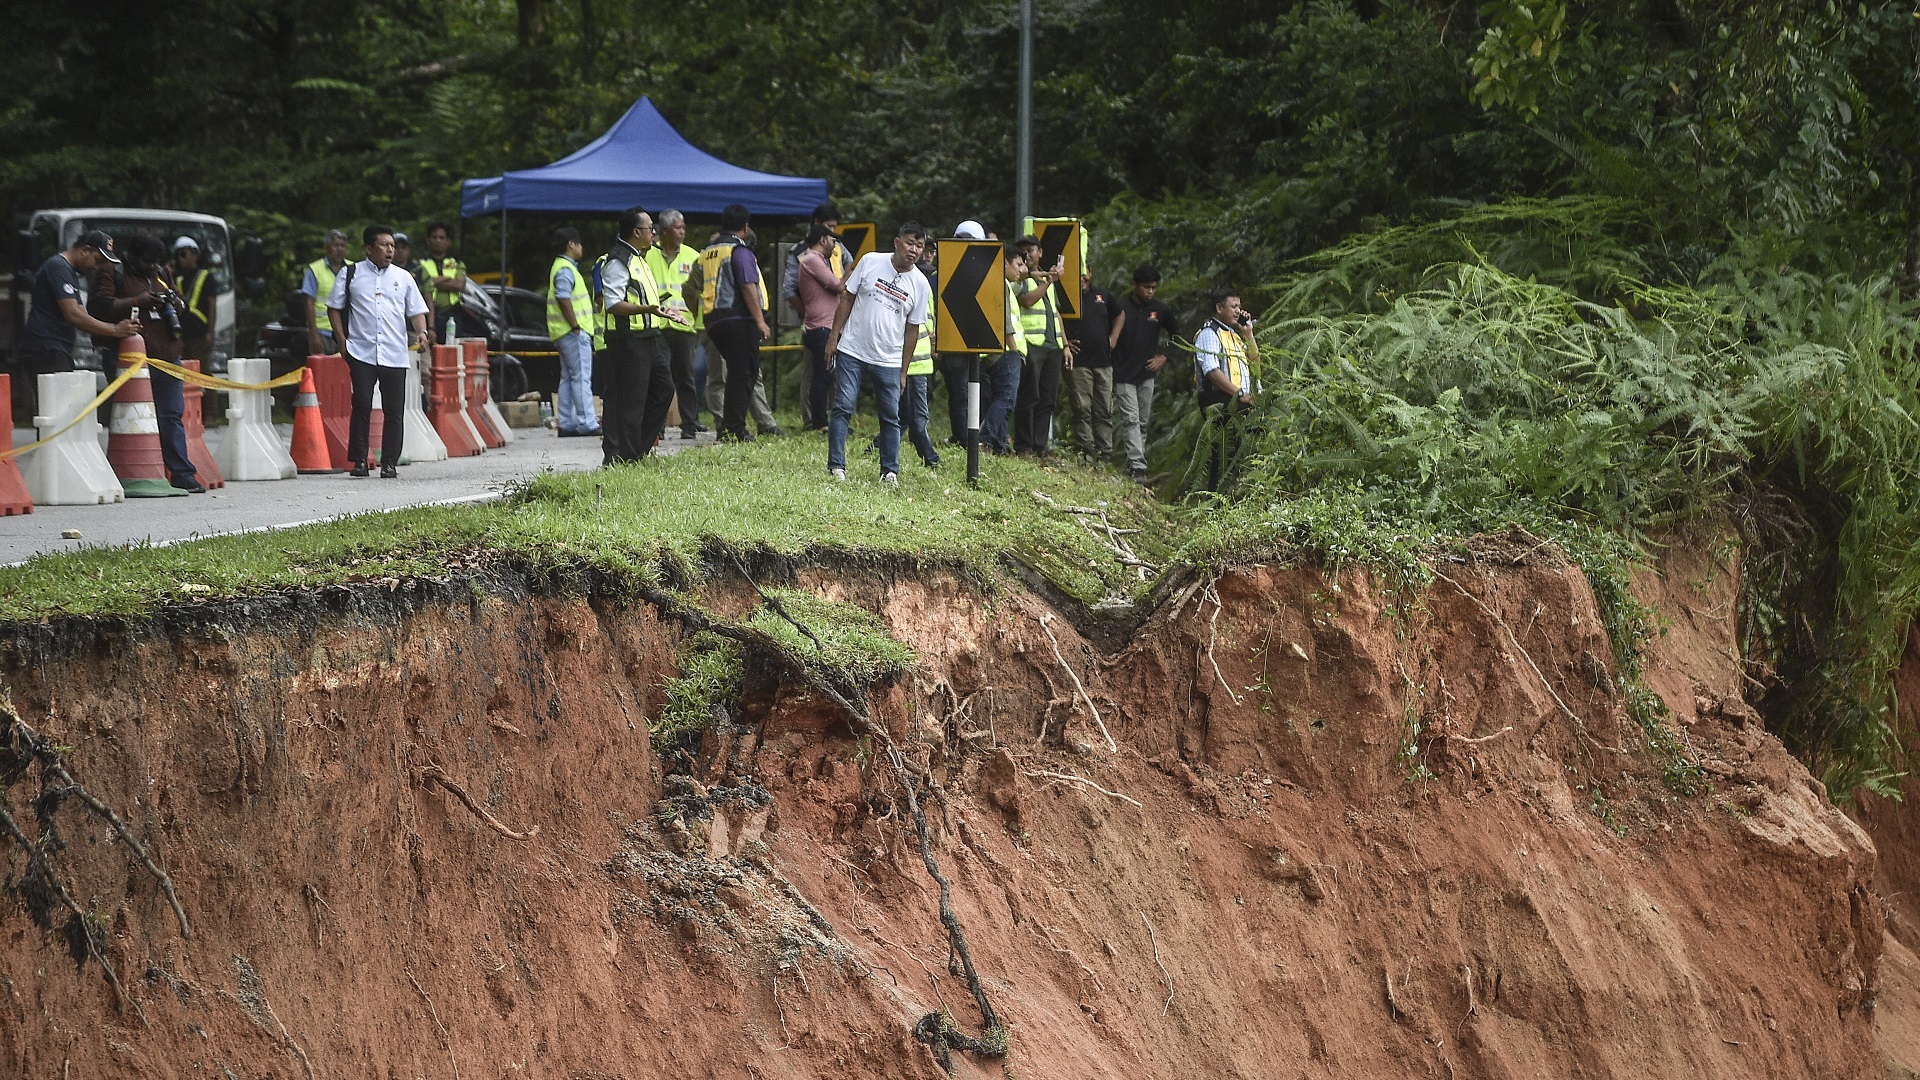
[(771, 494)]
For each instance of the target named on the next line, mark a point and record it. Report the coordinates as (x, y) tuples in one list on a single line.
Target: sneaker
[(890, 479), (359, 469), (931, 463), (837, 474), (190, 485), (388, 472)]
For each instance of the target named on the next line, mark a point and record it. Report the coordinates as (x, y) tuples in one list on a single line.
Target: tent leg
[(504, 321)]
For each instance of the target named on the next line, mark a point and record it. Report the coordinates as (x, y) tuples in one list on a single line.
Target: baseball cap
[(100, 242), (970, 230), (186, 242)]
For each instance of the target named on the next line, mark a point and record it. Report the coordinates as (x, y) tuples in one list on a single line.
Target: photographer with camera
[(142, 288), (1224, 353)]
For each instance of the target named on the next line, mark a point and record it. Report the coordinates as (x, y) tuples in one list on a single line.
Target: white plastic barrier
[(250, 449), (423, 443), (71, 470)]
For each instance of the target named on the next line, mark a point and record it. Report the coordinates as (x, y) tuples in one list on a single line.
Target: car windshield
[(212, 239)]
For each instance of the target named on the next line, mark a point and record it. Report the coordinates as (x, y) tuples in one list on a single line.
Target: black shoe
[(190, 485), (388, 472), (688, 433), (701, 429), (1139, 476), (593, 434), (775, 431), (735, 436), (359, 469)]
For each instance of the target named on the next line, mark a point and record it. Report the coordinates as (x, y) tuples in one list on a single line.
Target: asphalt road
[(303, 500)]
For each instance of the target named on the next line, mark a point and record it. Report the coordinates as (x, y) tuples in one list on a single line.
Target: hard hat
[(186, 242), (970, 230)]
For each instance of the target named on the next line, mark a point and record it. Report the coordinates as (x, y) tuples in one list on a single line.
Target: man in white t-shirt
[(885, 308)]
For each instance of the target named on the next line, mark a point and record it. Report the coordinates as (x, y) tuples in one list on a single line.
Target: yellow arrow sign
[(972, 313), (1060, 238), (859, 236)]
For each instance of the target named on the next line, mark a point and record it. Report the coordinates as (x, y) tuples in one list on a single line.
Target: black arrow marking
[(1053, 244), (961, 298)]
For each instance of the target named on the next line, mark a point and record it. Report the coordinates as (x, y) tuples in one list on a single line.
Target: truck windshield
[(212, 239)]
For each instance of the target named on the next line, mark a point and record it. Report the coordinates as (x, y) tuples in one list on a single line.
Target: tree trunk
[(533, 21)]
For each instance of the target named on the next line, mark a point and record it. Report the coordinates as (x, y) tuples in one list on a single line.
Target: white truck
[(51, 231)]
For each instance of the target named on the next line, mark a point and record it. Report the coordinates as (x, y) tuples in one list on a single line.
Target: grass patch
[(710, 672), (853, 644), (629, 522)]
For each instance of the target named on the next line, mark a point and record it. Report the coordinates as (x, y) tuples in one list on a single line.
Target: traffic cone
[(193, 418), (133, 435), (13, 487), (309, 431)]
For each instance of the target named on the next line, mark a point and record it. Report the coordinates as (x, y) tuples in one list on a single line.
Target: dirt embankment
[(1339, 837)]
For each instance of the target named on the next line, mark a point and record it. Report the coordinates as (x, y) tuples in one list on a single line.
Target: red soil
[(1340, 837)]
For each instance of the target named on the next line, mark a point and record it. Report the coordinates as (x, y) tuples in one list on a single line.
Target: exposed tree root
[(22, 751), (434, 774), (937, 1029)]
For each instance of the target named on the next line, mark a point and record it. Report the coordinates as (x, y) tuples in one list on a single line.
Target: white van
[(53, 231)]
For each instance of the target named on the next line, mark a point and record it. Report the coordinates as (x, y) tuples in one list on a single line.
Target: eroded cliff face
[(1340, 834)]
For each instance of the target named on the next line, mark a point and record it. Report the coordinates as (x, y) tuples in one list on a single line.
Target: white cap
[(970, 230), (186, 242)]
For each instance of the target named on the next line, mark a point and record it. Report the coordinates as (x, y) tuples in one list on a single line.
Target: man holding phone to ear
[(1224, 353)]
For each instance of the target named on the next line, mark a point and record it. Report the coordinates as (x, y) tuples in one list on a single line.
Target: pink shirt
[(819, 292)]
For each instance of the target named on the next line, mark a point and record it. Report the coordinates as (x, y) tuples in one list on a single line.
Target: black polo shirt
[(1097, 308), (1140, 338)]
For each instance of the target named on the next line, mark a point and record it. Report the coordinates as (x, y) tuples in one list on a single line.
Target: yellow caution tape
[(139, 361), (215, 382)]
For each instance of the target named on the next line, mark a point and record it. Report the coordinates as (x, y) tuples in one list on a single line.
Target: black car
[(529, 363)]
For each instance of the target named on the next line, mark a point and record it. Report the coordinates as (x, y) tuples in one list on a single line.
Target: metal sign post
[(971, 318)]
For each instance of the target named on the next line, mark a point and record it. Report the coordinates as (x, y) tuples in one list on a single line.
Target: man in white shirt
[(379, 317), (886, 305)]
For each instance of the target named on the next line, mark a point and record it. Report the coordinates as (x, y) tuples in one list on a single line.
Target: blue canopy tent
[(641, 161)]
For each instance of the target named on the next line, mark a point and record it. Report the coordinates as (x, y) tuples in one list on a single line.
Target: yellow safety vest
[(443, 299), (323, 278), (671, 275), (641, 289), (198, 286), (1233, 356), (1018, 341), (582, 307), (1035, 320), (922, 363), (713, 261)]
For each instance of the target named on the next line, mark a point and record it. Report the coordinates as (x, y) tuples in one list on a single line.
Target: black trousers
[(639, 371), (31, 364), (680, 357), (393, 399), (954, 368), (739, 342), (1039, 393), (820, 388), (1229, 422)]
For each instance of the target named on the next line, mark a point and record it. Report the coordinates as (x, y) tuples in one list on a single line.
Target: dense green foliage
[(1400, 406)]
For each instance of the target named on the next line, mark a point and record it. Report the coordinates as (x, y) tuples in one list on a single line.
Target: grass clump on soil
[(711, 670), (844, 641), (1433, 382), (629, 523)]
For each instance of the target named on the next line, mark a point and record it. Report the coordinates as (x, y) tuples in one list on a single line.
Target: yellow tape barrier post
[(211, 382)]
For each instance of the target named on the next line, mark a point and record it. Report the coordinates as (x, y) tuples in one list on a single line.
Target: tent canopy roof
[(641, 161)]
